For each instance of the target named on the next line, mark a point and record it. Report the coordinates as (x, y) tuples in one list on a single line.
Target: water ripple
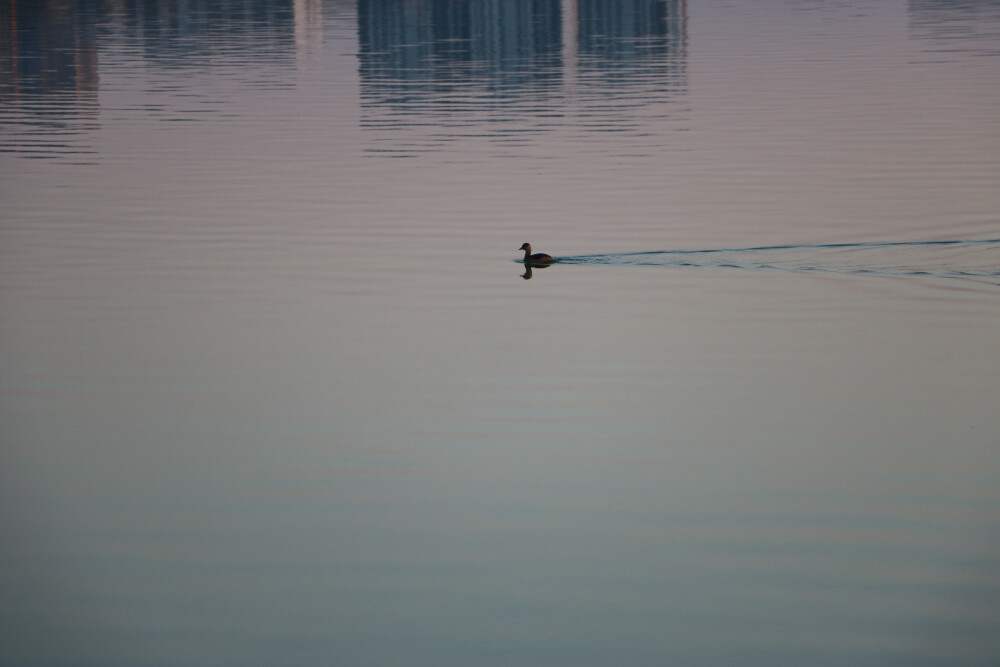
[(947, 258)]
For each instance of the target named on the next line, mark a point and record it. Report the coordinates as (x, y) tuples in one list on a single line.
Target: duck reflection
[(538, 260), (528, 273)]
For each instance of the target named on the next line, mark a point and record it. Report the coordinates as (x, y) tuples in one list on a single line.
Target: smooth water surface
[(274, 389)]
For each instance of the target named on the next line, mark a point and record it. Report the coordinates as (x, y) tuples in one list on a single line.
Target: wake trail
[(951, 258)]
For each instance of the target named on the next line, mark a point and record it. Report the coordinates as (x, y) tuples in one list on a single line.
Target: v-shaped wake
[(936, 258)]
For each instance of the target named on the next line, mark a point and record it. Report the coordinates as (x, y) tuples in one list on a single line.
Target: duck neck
[(527, 253)]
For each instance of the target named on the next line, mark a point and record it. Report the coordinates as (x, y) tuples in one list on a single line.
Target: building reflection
[(505, 45), (420, 39), (48, 46), (442, 58), (50, 52), (308, 28), (194, 33), (966, 25), (49, 76), (632, 37), (453, 58)]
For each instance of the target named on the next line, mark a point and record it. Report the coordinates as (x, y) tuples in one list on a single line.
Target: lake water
[(274, 389)]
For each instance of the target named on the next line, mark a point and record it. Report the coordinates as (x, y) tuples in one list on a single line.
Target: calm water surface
[(274, 390)]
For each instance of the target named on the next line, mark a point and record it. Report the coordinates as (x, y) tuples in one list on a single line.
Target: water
[(977, 259), (273, 389)]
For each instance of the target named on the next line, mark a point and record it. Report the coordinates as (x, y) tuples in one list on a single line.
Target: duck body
[(538, 259)]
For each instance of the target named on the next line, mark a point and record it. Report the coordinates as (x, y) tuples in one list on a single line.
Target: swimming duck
[(538, 259)]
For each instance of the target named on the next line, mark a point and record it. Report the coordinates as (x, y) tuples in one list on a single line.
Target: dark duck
[(538, 259)]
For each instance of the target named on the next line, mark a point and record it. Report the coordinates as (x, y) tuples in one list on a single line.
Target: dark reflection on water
[(632, 38), (424, 48), (957, 26), (52, 52), (571, 66), (49, 76), (460, 65), (48, 47), (183, 34)]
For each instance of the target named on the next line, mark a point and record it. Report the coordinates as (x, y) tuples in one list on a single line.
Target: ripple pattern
[(950, 258)]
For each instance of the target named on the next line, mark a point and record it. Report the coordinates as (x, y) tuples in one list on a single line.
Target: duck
[(538, 259)]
